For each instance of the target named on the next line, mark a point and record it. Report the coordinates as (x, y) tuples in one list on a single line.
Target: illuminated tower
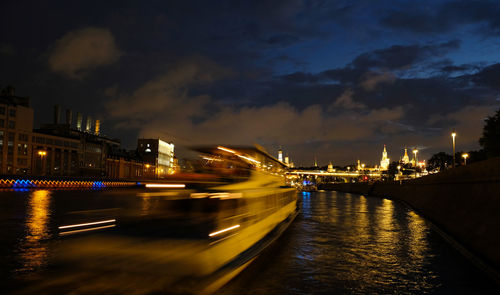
[(280, 155), (330, 167), (287, 160), (315, 162), (384, 163), (406, 159)]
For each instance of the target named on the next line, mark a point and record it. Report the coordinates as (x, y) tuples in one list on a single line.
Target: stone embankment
[(464, 202)]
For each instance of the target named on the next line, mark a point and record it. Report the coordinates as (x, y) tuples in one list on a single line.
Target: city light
[(465, 156), (42, 153), (453, 135)]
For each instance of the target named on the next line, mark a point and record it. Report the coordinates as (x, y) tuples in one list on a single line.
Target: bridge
[(335, 176)]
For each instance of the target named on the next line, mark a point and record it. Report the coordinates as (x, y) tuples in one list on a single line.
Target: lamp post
[(465, 156), (415, 151), (453, 135), (42, 154)]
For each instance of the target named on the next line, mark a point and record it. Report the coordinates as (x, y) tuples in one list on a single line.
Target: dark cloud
[(399, 57), (419, 18)]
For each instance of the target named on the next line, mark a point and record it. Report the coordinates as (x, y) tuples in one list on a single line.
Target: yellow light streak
[(226, 150), (88, 223), (164, 185), (249, 159), (224, 230), (86, 229)]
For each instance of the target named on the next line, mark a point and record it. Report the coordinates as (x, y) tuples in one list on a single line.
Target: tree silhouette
[(490, 141)]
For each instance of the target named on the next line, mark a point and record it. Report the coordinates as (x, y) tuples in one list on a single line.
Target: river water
[(339, 244)]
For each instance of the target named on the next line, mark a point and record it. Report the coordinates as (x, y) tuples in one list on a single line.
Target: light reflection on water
[(351, 244), (33, 251)]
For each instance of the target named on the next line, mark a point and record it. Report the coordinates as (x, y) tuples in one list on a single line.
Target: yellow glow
[(226, 150), (249, 159), (165, 185), (453, 135), (147, 166), (224, 230), (34, 252), (42, 153), (465, 156), (84, 230), (85, 224), (415, 151)]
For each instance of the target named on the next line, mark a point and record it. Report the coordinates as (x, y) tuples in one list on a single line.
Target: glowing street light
[(415, 151), (465, 156), (453, 135)]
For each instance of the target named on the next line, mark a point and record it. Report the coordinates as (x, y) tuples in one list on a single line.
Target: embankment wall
[(464, 202)]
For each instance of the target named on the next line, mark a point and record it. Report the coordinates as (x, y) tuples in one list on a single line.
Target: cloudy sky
[(331, 79)]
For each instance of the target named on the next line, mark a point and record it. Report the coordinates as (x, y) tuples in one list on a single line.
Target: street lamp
[(42, 154), (453, 135), (415, 151), (465, 156)]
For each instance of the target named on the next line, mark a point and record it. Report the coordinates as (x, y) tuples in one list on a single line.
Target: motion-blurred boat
[(180, 240)]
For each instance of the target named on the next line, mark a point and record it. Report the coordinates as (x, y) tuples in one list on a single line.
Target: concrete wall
[(464, 202)]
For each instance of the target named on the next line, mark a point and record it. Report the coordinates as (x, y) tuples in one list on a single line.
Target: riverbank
[(464, 202)]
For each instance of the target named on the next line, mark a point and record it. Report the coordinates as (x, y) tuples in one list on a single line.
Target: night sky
[(331, 79)]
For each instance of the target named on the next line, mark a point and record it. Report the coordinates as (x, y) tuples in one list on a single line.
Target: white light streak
[(223, 230), (88, 223), (84, 230), (226, 149), (164, 185)]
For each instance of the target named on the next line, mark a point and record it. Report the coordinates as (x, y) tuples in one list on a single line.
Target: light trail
[(84, 230), (223, 230), (88, 223), (164, 185)]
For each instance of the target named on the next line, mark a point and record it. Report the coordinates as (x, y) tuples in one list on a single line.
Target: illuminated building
[(287, 160), (405, 159), (384, 163), (71, 151), (330, 167), (280, 155), (159, 154)]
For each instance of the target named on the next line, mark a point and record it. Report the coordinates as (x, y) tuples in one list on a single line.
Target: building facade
[(158, 154), (16, 125)]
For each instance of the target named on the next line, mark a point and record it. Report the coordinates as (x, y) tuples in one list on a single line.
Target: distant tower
[(280, 155), (88, 127), (97, 127), (330, 167), (384, 163), (79, 119), (315, 162), (287, 160), (358, 167), (406, 159)]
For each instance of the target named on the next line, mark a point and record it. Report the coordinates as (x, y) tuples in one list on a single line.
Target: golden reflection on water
[(33, 252), (418, 237), (386, 232), (362, 220)]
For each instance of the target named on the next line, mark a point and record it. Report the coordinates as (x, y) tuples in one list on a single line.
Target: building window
[(12, 112), (12, 124), (23, 137), (22, 161), (2, 123), (2, 110)]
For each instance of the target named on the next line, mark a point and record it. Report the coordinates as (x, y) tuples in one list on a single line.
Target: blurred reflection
[(362, 221), (386, 233), (417, 237), (33, 253)]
